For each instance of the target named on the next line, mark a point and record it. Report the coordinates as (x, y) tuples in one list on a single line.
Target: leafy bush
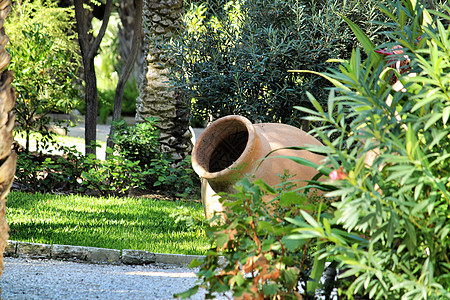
[(390, 151), (178, 179), (387, 144), (135, 163), (253, 257), (138, 142), (45, 63), (233, 57), (114, 176), (37, 172)]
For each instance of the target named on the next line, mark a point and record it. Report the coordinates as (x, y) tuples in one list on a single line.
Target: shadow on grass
[(150, 226)]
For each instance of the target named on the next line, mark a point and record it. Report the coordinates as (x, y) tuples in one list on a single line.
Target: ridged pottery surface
[(232, 147)]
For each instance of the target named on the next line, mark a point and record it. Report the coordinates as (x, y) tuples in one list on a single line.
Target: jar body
[(231, 148)]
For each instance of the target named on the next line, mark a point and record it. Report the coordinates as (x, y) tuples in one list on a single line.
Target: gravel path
[(52, 279)]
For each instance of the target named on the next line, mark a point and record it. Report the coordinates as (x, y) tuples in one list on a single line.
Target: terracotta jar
[(232, 147)]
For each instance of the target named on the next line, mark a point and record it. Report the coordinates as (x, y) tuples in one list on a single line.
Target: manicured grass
[(118, 223)]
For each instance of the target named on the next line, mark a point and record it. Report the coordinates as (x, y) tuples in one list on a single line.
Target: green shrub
[(253, 258), (395, 203), (387, 229), (37, 172), (134, 164), (233, 57), (114, 176), (138, 142), (45, 63), (178, 179)]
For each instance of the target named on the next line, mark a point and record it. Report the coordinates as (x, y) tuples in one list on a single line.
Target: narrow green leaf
[(387, 12), (327, 226), (432, 120), (336, 83), (446, 114), (367, 44), (316, 272), (309, 219)]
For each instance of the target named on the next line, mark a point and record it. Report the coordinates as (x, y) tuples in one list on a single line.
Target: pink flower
[(395, 62), (338, 174)]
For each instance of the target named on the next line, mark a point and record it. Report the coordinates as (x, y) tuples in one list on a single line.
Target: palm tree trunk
[(127, 14), (8, 158), (156, 99)]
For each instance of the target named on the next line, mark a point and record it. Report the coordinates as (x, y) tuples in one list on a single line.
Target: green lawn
[(119, 223)]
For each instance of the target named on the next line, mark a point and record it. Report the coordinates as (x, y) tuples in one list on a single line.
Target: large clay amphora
[(232, 147)]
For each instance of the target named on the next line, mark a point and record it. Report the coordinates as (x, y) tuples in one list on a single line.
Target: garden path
[(102, 135), (52, 279)]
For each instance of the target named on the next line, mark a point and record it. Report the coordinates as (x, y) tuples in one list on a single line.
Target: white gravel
[(52, 279)]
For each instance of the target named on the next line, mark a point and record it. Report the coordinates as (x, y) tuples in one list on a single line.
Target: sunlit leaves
[(396, 194)]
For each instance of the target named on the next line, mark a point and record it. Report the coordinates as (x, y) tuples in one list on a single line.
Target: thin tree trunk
[(136, 46), (127, 14), (90, 133), (8, 158), (88, 52)]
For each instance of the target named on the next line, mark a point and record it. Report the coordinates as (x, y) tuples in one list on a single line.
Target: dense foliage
[(252, 256), (135, 164), (391, 117), (45, 63), (233, 57), (386, 137)]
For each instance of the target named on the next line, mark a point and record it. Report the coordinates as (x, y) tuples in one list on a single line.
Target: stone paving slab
[(94, 254)]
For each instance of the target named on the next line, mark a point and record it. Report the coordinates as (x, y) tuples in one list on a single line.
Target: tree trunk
[(8, 158), (118, 97), (89, 50), (156, 99), (90, 131), (127, 14)]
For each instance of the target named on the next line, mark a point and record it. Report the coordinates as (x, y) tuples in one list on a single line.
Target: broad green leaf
[(270, 289), (238, 279), (195, 263), (288, 198), (187, 294), (265, 226), (290, 276)]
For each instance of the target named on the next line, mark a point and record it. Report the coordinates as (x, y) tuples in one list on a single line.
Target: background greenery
[(45, 63), (135, 165), (386, 227), (233, 57)]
